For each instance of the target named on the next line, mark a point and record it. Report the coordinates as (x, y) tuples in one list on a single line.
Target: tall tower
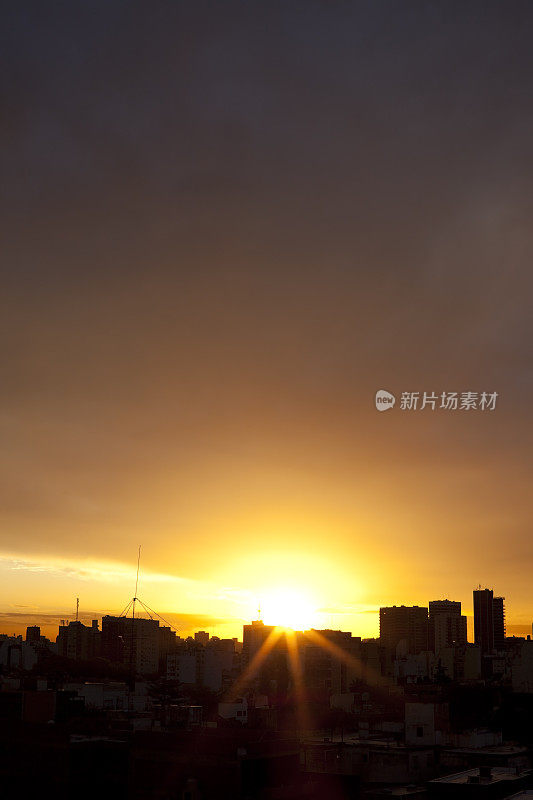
[(484, 620), (498, 613), (407, 624), (489, 621), (447, 626)]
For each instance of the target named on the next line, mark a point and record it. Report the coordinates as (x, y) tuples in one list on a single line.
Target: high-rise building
[(254, 637), (202, 637), (78, 641), (444, 607), (407, 625), (33, 634), (213, 666), (498, 613), (167, 642), (447, 627), (329, 660), (484, 620), (489, 621), (264, 656), (113, 633), (132, 642)]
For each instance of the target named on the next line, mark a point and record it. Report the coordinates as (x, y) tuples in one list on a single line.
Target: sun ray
[(254, 665), (302, 708), (337, 652)]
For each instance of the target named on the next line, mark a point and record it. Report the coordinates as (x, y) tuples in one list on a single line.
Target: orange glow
[(295, 662), (289, 608), (255, 664)]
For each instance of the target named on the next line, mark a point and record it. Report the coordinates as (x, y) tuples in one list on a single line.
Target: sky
[(225, 227)]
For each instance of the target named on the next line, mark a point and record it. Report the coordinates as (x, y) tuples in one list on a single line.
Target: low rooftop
[(482, 775)]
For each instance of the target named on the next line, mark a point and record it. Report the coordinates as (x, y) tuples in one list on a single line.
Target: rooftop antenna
[(136, 581), (77, 607), (133, 638), (132, 642)]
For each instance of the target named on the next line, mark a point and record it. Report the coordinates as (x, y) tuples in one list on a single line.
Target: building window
[(419, 731)]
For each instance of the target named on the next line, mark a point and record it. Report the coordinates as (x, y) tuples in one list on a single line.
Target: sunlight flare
[(289, 608)]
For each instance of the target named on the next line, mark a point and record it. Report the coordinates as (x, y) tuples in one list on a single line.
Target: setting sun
[(289, 608)]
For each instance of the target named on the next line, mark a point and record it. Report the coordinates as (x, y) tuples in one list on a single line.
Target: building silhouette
[(484, 620), (407, 625), (33, 634), (489, 621), (498, 613), (212, 665), (330, 669), (253, 638), (78, 641), (446, 625), (133, 642)]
